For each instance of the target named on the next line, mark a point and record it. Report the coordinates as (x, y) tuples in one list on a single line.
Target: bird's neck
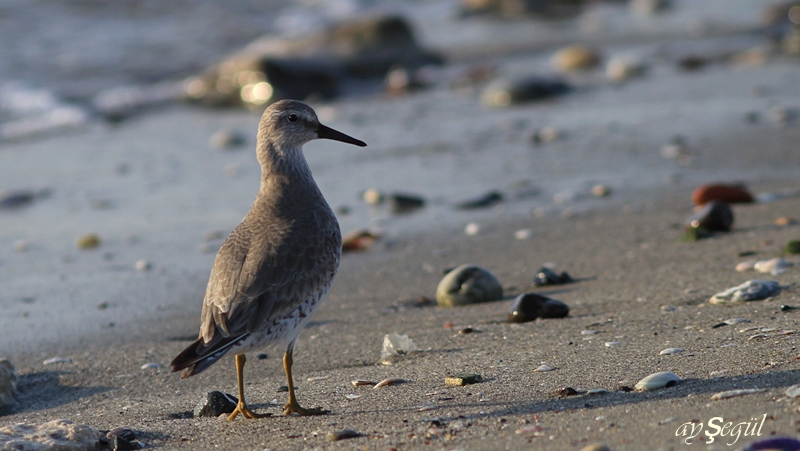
[(286, 180)]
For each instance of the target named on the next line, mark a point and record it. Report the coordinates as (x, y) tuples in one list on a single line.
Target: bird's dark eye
[(292, 117)]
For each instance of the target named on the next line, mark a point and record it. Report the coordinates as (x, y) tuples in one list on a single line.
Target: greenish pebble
[(792, 247), (88, 241), (696, 234), (463, 379)]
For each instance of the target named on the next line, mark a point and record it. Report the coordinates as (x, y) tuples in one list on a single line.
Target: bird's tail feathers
[(198, 356)]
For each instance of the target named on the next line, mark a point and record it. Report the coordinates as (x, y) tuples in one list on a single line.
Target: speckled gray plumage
[(276, 267)]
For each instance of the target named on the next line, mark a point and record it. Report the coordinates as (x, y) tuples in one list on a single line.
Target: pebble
[(735, 393), (752, 290), (715, 216), (588, 332), (405, 203), (773, 266), (732, 194), (598, 391), (529, 306), (575, 58), (543, 369), (373, 197), (621, 68), (670, 351), (466, 330), (546, 135), (468, 284), (566, 391), (485, 200), (676, 149), (54, 435), (360, 382), (20, 246), (612, 344), (785, 221), (143, 265), (472, 229), (54, 360), (791, 248), (358, 240), (88, 241), (150, 366), (214, 404), (228, 138), (523, 234), (657, 380), (596, 447), (747, 265), (462, 379), (793, 391), (504, 92), (546, 276), (601, 191), (16, 198), (390, 381), (8, 384), (335, 436)]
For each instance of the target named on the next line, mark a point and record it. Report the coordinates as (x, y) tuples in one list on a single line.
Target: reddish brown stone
[(731, 194)]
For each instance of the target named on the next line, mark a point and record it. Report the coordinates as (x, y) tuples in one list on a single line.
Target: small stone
[(676, 149), (54, 360), (282, 389), (123, 432), (8, 384), (405, 203), (747, 265), (612, 344), (214, 404), (513, 91), (262, 356), (462, 379), (10, 199), (785, 221), (483, 201), (601, 191), (621, 68), (20, 246), (715, 216), (752, 290), (732, 194), (523, 234), (543, 369), (736, 393), (596, 447), (358, 240), (566, 391), (121, 444), (529, 306), (360, 382), (150, 366), (468, 284), (597, 391), (228, 138), (143, 265), (772, 266), (546, 135), (88, 241), (792, 247), (788, 308), (793, 391), (472, 229), (575, 58), (670, 351), (657, 380), (466, 330), (335, 436), (53, 435), (546, 276), (373, 197)]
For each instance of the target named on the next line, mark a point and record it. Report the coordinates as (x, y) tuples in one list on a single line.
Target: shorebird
[(276, 267)]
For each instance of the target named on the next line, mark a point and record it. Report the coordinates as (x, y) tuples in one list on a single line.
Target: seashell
[(658, 380), (588, 332), (529, 306), (757, 337), (532, 430), (150, 366), (54, 360), (360, 382), (731, 194), (670, 351), (752, 290), (598, 391), (718, 374), (335, 436), (352, 396), (575, 58), (734, 393), (316, 378), (612, 344), (596, 447), (543, 369), (735, 321), (523, 234), (468, 284), (390, 381), (749, 329), (747, 265), (715, 216), (793, 391), (773, 266)]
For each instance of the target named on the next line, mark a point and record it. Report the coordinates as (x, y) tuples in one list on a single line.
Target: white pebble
[(373, 197), (657, 380), (670, 351), (612, 344), (150, 366), (472, 229), (143, 265), (543, 368), (793, 391), (773, 266), (747, 265), (352, 396), (523, 234), (588, 332)]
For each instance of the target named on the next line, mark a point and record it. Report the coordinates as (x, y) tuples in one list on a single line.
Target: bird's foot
[(294, 407), (241, 408)]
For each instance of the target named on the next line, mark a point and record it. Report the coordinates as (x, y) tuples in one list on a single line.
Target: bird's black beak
[(324, 132)]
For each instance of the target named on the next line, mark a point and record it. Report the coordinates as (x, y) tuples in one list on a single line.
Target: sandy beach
[(159, 195)]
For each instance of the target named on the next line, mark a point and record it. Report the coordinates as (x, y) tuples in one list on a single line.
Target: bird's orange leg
[(241, 407), (292, 406)]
